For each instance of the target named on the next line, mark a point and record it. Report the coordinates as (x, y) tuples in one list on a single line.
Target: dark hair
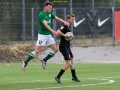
[(70, 15), (48, 3)]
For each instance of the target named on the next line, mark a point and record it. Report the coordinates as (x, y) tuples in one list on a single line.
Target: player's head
[(70, 18), (48, 6)]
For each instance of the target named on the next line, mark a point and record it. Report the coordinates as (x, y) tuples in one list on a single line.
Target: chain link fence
[(17, 23)]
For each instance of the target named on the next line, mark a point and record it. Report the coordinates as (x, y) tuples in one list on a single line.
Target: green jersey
[(45, 16)]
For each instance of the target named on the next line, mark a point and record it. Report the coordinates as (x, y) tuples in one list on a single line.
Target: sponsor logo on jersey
[(49, 15)]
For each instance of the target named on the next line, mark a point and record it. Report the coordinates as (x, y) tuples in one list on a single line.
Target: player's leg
[(52, 52), (40, 42), (51, 42), (73, 72), (65, 53), (57, 78), (31, 56)]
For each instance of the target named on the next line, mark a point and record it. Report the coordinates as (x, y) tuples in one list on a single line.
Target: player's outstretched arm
[(61, 20), (49, 28)]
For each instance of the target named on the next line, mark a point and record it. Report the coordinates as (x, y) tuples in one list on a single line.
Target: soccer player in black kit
[(64, 48)]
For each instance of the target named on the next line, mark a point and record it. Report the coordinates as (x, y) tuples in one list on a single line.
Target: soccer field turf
[(93, 76)]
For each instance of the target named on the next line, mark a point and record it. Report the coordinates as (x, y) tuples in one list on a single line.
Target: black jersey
[(64, 46), (64, 29)]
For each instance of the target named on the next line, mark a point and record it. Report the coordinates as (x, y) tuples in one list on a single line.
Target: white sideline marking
[(108, 82)]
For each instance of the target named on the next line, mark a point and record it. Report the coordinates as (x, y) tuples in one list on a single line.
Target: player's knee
[(68, 64), (37, 50), (56, 50), (72, 63)]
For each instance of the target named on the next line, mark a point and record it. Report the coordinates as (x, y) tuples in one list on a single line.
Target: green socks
[(50, 54), (30, 56), (33, 54)]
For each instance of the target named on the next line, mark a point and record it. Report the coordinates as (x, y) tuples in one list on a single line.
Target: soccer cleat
[(76, 79), (57, 79), (24, 64), (43, 64)]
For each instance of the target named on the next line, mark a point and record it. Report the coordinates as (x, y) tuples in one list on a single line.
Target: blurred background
[(99, 21)]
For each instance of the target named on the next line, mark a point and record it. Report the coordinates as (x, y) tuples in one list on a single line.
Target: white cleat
[(24, 65), (43, 64)]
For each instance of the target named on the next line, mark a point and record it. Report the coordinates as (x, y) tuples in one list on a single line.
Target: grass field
[(93, 76)]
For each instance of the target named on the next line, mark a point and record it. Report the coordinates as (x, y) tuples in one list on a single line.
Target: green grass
[(93, 76)]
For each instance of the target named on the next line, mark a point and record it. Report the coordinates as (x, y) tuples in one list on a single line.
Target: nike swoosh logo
[(100, 23), (77, 23)]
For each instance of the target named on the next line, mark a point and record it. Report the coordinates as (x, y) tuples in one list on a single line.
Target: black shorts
[(66, 52)]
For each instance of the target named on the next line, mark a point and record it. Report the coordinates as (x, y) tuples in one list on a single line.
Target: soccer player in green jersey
[(44, 35)]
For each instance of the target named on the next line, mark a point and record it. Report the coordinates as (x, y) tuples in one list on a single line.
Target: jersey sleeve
[(63, 28), (53, 15), (41, 17)]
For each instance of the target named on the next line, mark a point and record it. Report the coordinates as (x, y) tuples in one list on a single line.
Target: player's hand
[(55, 33), (66, 23), (66, 36)]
